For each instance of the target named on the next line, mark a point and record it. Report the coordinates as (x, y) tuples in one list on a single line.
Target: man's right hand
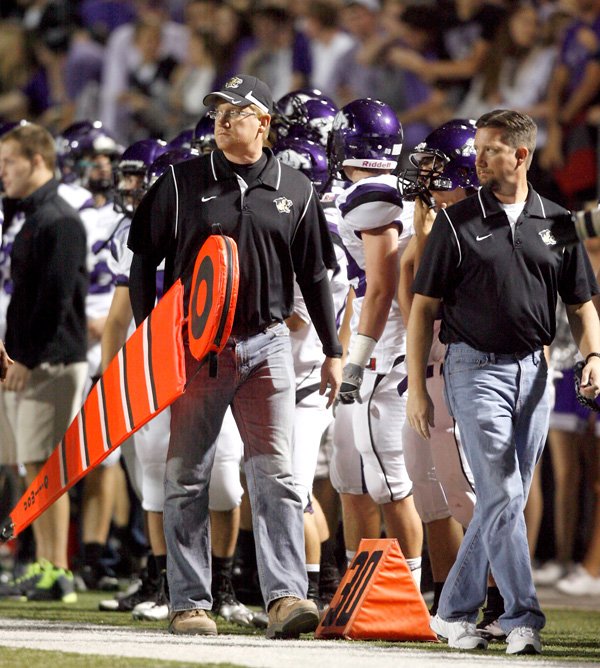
[(419, 412), (5, 361), (352, 377)]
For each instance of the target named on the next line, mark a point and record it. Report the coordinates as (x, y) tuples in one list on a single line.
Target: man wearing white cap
[(272, 213)]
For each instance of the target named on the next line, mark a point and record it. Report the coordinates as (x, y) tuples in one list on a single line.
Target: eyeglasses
[(229, 115)]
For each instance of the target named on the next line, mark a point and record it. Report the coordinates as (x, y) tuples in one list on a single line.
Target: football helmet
[(445, 160), (135, 162), (203, 139), (306, 113), (170, 157), (366, 133), (77, 144), (305, 155), (183, 140)]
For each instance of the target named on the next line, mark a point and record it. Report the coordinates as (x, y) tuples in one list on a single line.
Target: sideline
[(250, 651)]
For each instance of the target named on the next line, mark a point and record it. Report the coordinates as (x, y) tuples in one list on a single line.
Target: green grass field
[(570, 635)]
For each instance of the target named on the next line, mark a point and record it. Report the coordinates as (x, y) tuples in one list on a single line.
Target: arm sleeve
[(319, 302), (312, 254), (142, 287)]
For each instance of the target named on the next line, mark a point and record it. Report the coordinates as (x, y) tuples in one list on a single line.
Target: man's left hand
[(17, 377), (331, 377), (590, 378)]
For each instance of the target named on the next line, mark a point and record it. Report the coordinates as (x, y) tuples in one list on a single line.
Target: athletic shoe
[(159, 609), (260, 619), (523, 640), (99, 578), (192, 622), (226, 605), (290, 616), (56, 584), (143, 591), (18, 587), (549, 573), (491, 630), (579, 583), (460, 634)]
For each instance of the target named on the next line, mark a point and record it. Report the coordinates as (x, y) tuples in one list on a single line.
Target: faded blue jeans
[(256, 377), (501, 405)]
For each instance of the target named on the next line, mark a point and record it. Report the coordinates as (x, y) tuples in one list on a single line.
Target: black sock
[(313, 581), (152, 568), (91, 553), (437, 592), (246, 549), (495, 602), (161, 563), (328, 553)]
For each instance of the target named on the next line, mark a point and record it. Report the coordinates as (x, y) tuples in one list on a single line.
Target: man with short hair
[(493, 265), (273, 214), (46, 335)]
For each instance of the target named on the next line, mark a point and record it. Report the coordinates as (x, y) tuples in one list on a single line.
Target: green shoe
[(56, 584), (18, 587)]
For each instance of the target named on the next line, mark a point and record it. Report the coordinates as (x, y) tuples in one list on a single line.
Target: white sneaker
[(153, 613), (579, 583), (523, 640), (460, 635), (548, 573)]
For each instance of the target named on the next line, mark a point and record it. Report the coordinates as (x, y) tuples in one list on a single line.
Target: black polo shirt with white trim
[(276, 221), (499, 291)]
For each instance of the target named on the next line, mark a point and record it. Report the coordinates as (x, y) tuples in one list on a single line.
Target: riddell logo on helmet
[(375, 164)]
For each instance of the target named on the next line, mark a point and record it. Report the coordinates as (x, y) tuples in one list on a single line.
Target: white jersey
[(119, 261), (307, 349), (371, 203), (100, 231), (6, 286)]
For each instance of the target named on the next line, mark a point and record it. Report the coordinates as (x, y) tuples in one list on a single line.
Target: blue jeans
[(502, 409), (256, 377)]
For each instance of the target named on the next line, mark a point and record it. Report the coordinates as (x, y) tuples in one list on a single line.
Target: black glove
[(352, 378)]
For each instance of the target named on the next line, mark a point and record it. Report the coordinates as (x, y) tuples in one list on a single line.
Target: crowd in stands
[(142, 67)]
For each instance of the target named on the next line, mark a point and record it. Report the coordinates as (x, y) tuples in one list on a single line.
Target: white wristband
[(362, 350)]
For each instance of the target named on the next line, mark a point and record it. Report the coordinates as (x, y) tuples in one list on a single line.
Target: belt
[(511, 357), (247, 335)]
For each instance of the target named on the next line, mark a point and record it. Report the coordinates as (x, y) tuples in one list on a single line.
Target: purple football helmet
[(305, 155), (306, 113), (131, 173), (183, 140), (445, 160), (204, 135), (79, 142), (170, 157), (366, 133)]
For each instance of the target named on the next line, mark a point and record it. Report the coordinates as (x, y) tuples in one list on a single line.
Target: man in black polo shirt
[(495, 268), (274, 216)]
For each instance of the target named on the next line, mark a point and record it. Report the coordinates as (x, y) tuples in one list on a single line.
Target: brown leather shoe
[(192, 622), (290, 616)]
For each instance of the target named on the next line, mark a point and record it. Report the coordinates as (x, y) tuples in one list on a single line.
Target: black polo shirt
[(276, 221), (499, 294)]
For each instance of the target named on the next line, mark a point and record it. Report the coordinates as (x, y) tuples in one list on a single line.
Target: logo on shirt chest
[(283, 204), (547, 237)]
